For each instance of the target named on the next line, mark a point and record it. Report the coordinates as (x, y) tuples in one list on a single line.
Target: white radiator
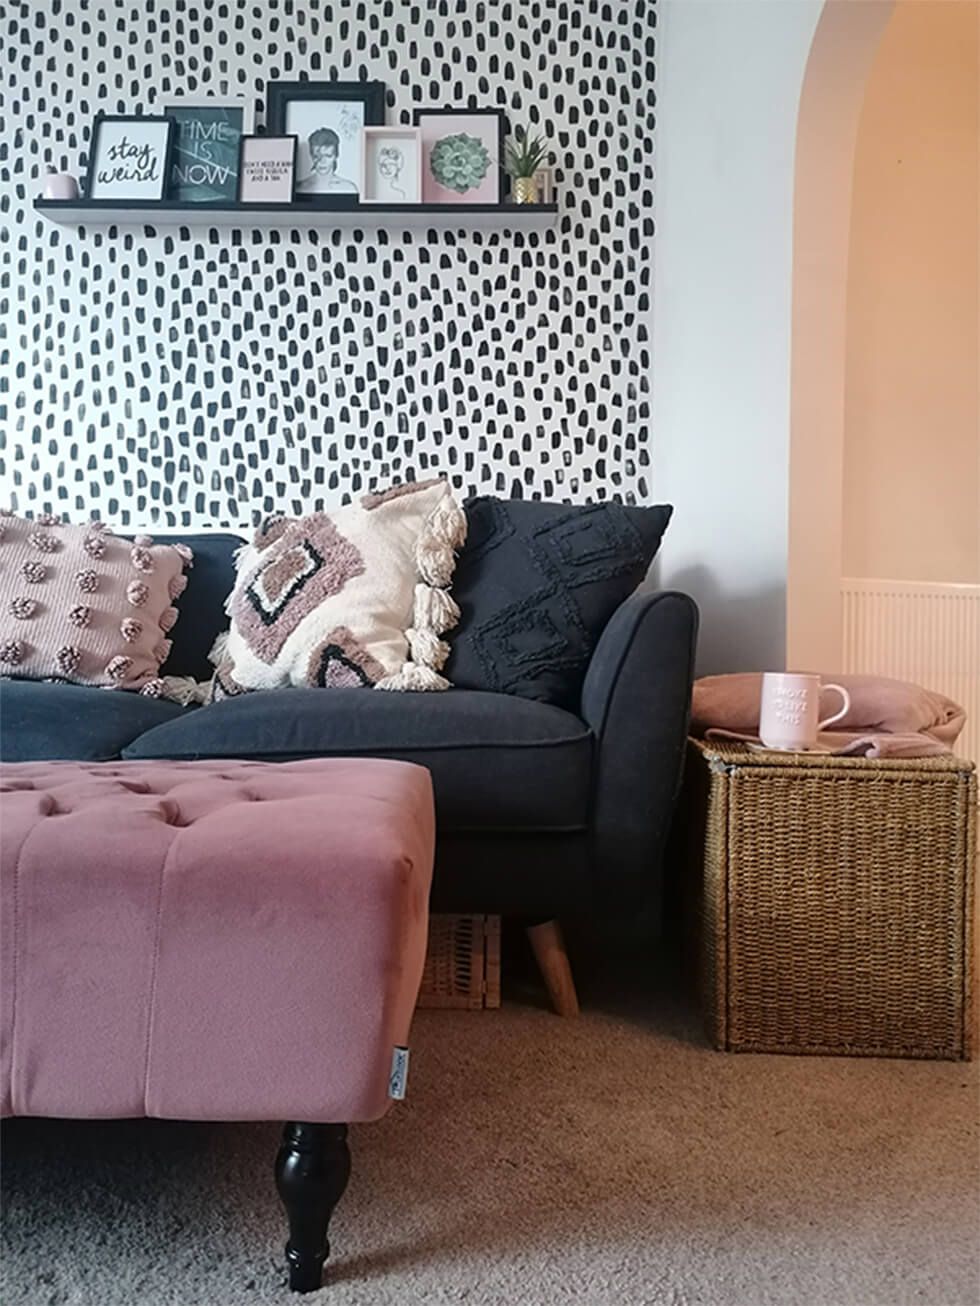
[(926, 633)]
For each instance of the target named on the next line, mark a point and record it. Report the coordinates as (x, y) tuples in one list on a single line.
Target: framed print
[(462, 155), (267, 169), (129, 158), (391, 165), (327, 118), (210, 128)]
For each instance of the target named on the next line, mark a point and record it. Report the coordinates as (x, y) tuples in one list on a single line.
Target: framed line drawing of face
[(328, 119), (462, 155), (391, 165)]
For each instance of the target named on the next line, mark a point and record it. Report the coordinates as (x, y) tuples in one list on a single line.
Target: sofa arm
[(637, 699)]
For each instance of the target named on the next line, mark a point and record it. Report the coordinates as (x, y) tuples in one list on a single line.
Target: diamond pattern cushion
[(536, 584), (351, 598)]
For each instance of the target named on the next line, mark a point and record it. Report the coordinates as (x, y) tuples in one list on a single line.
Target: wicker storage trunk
[(462, 965), (833, 901)]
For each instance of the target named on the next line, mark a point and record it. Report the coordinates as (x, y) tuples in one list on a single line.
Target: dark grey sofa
[(541, 810)]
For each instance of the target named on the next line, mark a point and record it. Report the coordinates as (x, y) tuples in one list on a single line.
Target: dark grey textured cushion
[(536, 583), (497, 763), (42, 722)]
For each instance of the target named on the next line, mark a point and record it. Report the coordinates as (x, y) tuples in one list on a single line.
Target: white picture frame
[(391, 165)]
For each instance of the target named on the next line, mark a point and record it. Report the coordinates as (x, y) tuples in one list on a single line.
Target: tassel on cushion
[(177, 689), (413, 677), (435, 609), (443, 532), (219, 648), (427, 648)]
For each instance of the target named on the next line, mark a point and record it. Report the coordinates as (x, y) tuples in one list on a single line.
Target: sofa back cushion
[(202, 605), (536, 584)]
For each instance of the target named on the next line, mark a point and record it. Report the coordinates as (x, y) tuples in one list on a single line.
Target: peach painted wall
[(844, 48), (911, 495)]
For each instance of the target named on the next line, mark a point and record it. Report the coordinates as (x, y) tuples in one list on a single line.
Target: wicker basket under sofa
[(832, 901)]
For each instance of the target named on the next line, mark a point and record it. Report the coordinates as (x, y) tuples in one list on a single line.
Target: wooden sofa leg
[(548, 946), (312, 1169)]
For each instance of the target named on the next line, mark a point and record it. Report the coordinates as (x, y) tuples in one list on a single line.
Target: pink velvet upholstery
[(210, 940)]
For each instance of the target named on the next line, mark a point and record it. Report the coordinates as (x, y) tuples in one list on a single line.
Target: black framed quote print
[(328, 120), (129, 158), (204, 167), (267, 169)]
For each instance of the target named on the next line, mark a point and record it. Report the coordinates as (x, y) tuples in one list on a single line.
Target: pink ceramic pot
[(60, 186)]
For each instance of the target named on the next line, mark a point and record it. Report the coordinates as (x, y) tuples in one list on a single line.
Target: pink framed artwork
[(462, 155)]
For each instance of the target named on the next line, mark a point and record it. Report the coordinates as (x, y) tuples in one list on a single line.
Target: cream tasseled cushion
[(354, 597)]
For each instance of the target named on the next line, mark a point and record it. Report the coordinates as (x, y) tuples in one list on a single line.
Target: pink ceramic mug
[(790, 708)]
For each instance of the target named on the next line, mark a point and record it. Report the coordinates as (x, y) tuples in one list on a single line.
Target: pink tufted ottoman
[(215, 941)]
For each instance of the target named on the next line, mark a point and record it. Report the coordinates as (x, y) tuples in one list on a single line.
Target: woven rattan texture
[(837, 902), (462, 964)]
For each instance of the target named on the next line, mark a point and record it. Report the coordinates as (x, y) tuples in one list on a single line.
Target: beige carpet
[(611, 1160)]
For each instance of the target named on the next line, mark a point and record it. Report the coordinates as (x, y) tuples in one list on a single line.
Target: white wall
[(729, 78)]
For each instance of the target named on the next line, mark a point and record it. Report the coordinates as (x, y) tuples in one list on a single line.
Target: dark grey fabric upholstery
[(497, 763), (202, 604), (538, 875), (41, 722), (637, 697)]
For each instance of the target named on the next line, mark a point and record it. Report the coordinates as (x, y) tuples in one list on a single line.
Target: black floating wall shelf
[(413, 217)]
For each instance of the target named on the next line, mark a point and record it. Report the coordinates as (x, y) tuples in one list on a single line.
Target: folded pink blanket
[(887, 718)]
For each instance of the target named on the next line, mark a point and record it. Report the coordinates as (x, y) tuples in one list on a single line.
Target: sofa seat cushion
[(497, 763), (42, 722)]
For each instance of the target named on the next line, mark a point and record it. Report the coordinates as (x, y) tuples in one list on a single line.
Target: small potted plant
[(523, 157)]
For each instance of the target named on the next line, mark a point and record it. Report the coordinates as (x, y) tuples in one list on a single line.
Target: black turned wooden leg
[(312, 1170)]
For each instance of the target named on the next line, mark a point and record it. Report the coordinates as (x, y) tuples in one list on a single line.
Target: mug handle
[(829, 721)]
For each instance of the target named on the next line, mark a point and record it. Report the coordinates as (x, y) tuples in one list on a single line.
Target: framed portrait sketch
[(206, 148), (328, 119), (462, 155), (391, 165), (129, 158)]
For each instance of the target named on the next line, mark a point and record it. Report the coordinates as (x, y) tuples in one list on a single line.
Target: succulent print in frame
[(462, 154)]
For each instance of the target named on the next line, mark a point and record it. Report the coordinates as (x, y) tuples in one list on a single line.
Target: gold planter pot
[(525, 190)]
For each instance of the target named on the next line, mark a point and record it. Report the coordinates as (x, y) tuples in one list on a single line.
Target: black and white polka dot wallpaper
[(186, 377)]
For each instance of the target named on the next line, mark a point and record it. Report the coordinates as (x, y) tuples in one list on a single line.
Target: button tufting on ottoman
[(214, 941)]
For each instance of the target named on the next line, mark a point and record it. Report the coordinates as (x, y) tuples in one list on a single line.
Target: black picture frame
[(195, 116), (264, 136), (279, 96), (100, 121), (462, 111)]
